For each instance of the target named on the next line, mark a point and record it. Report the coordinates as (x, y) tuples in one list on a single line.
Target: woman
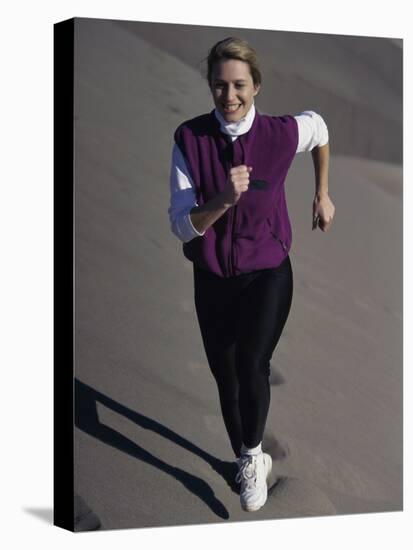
[(228, 207)]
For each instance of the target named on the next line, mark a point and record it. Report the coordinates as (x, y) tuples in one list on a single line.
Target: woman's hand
[(323, 212), (238, 182)]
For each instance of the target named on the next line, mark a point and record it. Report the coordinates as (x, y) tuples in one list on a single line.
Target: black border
[(63, 291)]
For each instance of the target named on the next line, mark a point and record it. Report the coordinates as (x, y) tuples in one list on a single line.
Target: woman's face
[(232, 88)]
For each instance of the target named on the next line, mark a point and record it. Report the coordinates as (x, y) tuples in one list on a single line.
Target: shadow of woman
[(87, 420)]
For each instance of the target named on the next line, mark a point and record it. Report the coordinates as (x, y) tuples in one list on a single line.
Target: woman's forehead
[(231, 69)]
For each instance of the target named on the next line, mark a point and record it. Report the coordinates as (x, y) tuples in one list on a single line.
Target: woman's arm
[(323, 208), (237, 183), (189, 220), (312, 131), (313, 136), (204, 216), (182, 199)]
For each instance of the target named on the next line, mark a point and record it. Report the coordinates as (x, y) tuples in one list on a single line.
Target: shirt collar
[(240, 126)]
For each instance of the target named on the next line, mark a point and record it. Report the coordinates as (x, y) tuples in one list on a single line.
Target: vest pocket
[(276, 237)]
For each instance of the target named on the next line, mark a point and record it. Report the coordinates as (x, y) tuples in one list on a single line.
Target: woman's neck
[(238, 127)]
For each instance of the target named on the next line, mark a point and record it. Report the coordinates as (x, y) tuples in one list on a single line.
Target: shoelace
[(248, 471)]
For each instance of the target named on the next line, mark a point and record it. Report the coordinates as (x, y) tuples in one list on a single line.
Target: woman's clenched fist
[(237, 183)]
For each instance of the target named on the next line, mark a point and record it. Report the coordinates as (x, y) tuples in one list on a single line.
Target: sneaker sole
[(255, 507)]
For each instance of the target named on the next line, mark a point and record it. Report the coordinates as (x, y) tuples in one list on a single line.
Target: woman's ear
[(257, 88)]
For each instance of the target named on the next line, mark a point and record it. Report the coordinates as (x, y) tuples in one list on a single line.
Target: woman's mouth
[(232, 108)]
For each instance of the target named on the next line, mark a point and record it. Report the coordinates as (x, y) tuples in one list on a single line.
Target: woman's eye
[(222, 85)]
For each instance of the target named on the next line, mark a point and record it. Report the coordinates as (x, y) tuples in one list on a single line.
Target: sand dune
[(151, 447), (356, 82)]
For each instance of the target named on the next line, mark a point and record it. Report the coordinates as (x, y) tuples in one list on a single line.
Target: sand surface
[(151, 447)]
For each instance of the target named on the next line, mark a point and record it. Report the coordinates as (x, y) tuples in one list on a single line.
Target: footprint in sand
[(291, 497), (278, 449), (276, 378), (334, 472)]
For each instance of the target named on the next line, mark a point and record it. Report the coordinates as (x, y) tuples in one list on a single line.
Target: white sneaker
[(253, 473)]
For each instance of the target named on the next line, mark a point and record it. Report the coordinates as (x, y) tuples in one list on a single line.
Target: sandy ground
[(150, 444)]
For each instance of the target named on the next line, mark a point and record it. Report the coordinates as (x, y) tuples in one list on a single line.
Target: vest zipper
[(232, 218), (232, 239), (235, 209)]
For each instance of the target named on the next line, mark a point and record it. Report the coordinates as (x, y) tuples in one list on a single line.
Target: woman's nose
[(230, 93)]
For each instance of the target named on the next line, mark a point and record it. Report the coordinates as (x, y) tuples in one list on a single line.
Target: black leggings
[(241, 319)]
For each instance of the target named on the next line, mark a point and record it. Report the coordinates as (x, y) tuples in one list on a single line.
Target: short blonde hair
[(234, 48)]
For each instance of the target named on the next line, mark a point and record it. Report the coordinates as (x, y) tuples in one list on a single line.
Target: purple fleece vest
[(256, 232)]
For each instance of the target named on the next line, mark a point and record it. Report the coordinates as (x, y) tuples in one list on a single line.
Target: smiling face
[(233, 88)]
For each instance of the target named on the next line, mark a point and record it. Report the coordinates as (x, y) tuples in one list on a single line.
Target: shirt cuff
[(185, 227), (191, 225)]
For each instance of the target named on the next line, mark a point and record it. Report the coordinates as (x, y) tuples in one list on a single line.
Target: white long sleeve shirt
[(312, 132)]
